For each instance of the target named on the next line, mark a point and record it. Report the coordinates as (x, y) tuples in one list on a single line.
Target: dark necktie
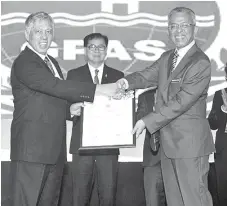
[(47, 61), (174, 60), (96, 78)]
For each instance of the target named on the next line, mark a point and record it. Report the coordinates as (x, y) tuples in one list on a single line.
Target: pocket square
[(176, 80)]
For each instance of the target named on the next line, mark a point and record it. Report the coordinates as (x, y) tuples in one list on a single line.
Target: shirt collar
[(182, 51), (41, 55), (92, 69)]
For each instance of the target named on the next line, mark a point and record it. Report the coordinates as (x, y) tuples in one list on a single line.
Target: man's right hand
[(112, 89), (75, 109)]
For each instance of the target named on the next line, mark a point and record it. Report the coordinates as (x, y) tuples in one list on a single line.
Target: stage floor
[(130, 190)]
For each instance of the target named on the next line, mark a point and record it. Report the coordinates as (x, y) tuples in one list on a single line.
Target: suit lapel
[(105, 75), (170, 63), (57, 67), (181, 66), (87, 74), (38, 58), (162, 95)]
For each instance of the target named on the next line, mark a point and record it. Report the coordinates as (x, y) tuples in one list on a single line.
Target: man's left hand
[(138, 128)]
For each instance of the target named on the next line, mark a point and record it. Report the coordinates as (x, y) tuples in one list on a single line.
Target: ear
[(85, 53), (105, 56), (26, 35), (195, 30), (53, 33)]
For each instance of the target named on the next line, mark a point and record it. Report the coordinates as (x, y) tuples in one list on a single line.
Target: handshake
[(115, 90)]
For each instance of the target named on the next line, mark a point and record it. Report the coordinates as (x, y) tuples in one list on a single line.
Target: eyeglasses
[(93, 47), (41, 32), (183, 26)]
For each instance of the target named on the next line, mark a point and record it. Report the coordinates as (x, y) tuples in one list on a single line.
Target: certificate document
[(108, 123)]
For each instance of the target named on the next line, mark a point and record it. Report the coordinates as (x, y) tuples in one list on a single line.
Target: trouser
[(85, 170), (221, 171), (154, 186), (185, 181), (35, 184)]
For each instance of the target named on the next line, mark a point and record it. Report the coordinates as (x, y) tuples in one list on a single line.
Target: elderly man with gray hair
[(182, 76), (38, 130)]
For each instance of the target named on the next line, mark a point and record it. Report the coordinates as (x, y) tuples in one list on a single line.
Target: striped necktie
[(47, 61), (96, 78), (174, 60)]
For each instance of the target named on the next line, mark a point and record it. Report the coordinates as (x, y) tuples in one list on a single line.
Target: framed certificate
[(108, 123)]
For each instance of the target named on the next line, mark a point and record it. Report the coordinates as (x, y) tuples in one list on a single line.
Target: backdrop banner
[(137, 32)]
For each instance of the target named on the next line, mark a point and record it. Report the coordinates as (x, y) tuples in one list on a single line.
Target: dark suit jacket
[(145, 105), (180, 111), (218, 119), (38, 130), (82, 74)]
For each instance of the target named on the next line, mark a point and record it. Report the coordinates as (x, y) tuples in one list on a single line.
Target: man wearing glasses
[(93, 165), (182, 76)]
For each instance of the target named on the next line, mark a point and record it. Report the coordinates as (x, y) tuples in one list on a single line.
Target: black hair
[(95, 36)]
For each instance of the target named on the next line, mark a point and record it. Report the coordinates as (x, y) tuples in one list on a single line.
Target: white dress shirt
[(92, 71), (43, 57)]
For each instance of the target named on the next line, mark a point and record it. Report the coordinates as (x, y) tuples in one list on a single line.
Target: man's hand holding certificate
[(107, 122)]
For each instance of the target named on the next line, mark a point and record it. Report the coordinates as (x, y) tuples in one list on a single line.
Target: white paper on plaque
[(107, 122)]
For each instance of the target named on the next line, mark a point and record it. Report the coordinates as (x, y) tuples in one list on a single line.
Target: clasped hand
[(115, 90)]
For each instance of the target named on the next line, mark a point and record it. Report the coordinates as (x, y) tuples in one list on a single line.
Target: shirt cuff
[(126, 83), (223, 109)]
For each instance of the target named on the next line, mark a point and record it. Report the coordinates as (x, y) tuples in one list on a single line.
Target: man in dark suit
[(182, 76), (153, 181), (218, 121), (38, 130), (101, 165)]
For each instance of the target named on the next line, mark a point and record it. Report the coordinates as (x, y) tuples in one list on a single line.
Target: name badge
[(226, 128), (176, 80)]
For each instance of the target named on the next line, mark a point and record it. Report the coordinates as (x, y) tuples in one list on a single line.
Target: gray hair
[(184, 10), (32, 18)]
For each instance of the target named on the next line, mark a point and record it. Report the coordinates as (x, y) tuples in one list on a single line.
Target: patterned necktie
[(47, 61), (96, 78), (174, 61)]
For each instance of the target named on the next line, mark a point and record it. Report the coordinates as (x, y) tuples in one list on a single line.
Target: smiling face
[(40, 35), (181, 29), (96, 51)]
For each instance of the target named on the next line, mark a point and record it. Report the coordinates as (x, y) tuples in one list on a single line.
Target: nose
[(179, 28), (97, 50), (44, 35)]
